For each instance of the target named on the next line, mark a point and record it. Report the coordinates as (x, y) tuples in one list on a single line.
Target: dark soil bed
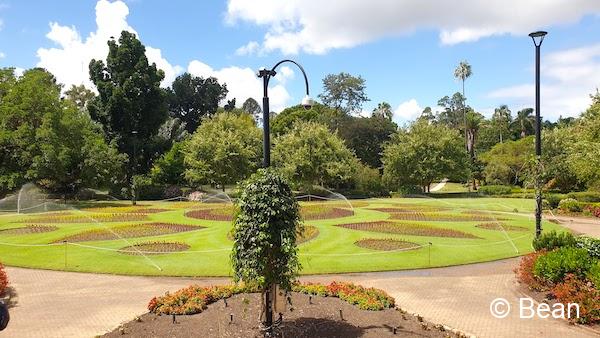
[(130, 231), (406, 229), (386, 244), (437, 217), (219, 214), (319, 319), (154, 248), (500, 227)]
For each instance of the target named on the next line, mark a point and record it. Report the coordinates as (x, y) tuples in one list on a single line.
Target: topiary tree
[(264, 232)]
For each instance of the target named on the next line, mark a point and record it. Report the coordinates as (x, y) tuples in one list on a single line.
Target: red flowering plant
[(3, 280), (525, 271), (574, 290)]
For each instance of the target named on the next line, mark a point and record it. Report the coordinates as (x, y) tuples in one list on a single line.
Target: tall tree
[(80, 96), (250, 106), (422, 154), (524, 122), (506, 163), (501, 120), (427, 115), (366, 136), (344, 92), (131, 106), (230, 106), (463, 72), (191, 98), (474, 121), (284, 121), (584, 153), (383, 110), (224, 150), (452, 115)]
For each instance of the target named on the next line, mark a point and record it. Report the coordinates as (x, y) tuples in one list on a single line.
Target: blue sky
[(406, 50)]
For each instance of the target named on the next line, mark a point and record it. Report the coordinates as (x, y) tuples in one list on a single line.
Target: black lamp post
[(133, 166), (307, 102), (538, 38)]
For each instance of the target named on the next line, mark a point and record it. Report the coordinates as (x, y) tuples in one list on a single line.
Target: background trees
[(506, 163), (130, 99), (191, 98), (422, 154), (344, 92), (309, 154), (224, 150)]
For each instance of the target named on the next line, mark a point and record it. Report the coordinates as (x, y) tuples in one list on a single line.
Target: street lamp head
[(134, 132), (538, 37), (307, 102)]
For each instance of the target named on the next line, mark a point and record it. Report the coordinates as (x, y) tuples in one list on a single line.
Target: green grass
[(332, 251)]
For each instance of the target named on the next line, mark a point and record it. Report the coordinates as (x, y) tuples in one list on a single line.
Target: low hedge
[(585, 196), (554, 266), (495, 190), (554, 240)]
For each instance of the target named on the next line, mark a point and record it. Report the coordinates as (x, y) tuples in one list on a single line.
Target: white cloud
[(1, 24), (568, 78), (243, 83), (69, 61), (316, 26), (2, 55), (407, 110), (248, 49)]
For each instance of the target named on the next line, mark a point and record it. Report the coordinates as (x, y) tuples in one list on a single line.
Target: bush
[(3, 280), (592, 210), (554, 266), (495, 190), (591, 245), (594, 275), (585, 196), (172, 191), (575, 290), (569, 204), (365, 298), (554, 200), (553, 240), (525, 271)]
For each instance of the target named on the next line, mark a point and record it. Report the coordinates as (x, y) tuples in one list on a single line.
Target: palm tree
[(524, 121), (501, 120), (463, 72)]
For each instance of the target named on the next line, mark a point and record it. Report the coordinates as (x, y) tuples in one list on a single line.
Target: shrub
[(594, 275), (585, 196), (592, 245), (554, 200), (495, 190), (3, 280), (525, 271), (569, 204), (554, 266), (593, 210), (365, 298), (172, 191), (552, 240), (576, 290)]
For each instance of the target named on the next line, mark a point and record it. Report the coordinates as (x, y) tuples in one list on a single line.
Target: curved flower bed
[(500, 227), (28, 229), (433, 216), (90, 218), (130, 231), (387, 244), (194, 299), (212, 214), (154, 248), (407, 229), (316, 212)]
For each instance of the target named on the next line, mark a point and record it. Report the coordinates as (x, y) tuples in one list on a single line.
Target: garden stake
[(225, 301), (174, 320), (309, 299), (65, 254), (430, 254), (341, 315), (395, 328), (230, 318)]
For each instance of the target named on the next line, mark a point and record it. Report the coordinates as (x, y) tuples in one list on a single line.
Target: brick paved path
[(67, 304)]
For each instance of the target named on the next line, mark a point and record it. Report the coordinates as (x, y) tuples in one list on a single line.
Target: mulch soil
[(319, 319)]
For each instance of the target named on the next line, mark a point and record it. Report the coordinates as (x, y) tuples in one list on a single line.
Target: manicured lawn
[(333, 250)]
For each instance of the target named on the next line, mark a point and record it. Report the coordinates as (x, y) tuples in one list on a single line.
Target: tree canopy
[(344, 92)]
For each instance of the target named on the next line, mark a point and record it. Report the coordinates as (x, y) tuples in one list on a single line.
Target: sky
[(406, 50)]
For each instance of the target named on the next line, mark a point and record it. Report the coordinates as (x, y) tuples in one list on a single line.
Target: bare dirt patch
[(406, 229), (130, 231), (154, 248), (386, 244), (28, 229), (318, 318)]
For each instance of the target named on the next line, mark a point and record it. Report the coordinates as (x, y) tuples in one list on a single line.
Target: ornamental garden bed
[(500, 227), (440, 217), (89, 218), (318, 212), (28, 229), (212, 214), (315, 311), (309, 233), (387, 244), (154, 248), (407, 229), (130, 231)]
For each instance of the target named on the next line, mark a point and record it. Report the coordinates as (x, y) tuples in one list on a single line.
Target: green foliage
[(557, 173), (368, 181), (169, 168), (224, 150), (365, 298), (569, 204), (452, 115), (424, 153), (594, 274), (366, 136), (592, 245), (344, 92), (523, 123), (585, 196), (311, 155), (80, 96), (495, 190), (50, 141), (584, 153), (552, 240), (265, 230), (284, 121), (506, 162), (554, 200), (130, 99), (192, 98), (250, 106), (553, 266)]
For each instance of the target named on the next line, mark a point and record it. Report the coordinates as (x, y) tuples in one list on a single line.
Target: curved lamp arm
[(270, 73)]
